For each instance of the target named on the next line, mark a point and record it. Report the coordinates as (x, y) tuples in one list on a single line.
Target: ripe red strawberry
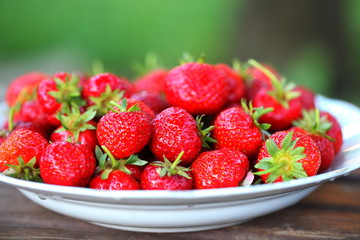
[(285, 102), (257, 79), (68, 164), (235, 83), (174, 131), (102, 88), (23, 88), (143, 107), (22, 143), (239, 128), (334, 132), (76, 127), (307, 97), (154, 100), (166, 175), (288, 155), (124, 131), (199, 88), (219, 169), (152, 81), (116, 174)]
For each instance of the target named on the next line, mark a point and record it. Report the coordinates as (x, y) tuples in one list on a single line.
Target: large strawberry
[(23, 88), (166, 175), (102, 88), (174, 131), (124, 131), (22, 143), (239, 128), (281, 97), (219, 169), (68, 164), (116, 174), (288, 155), (199, 88)]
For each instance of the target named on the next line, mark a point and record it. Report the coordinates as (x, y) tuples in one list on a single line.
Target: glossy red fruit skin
[(21, 143), (307, 97), (219, 169), (151, 180), (87, 137), (144, 108), (117, 180), (199, 88), (175, 130), (48, 103), (96, 85), (235, 82), (234, 128), (28, 82), (67, 164), (259, 80), (124, 133), (310, 163), (334, 132), (280, 118), (152, 81), (325, 146), (154, 100)]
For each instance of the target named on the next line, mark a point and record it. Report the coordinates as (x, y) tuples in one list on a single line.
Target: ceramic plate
[(194, 210)]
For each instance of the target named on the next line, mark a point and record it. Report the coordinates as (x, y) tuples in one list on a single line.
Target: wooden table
[(331, 212)]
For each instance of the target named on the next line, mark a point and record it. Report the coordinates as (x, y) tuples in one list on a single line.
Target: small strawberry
[(234, 81), (116, 174), (239, 128), (23, 88), (67, 164), (219, 169), (22, 143), (288, 155), (124, 131), (76, 127), (154, 100), (199, 88), (307, 97), (334, 132), (166, 175), (102, 88), (285, 102), (175, 130)]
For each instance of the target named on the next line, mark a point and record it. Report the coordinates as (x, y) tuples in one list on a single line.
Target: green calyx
[(188, 58), (108, 163), (283, 90), (204, 133), (74, 121), (68, 91), (283, 160), (313, 123), (101, 102), (169, 169), (24, 171), (256, 113), (117, 108)]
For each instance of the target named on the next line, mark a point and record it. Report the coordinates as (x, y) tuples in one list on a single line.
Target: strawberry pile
[(195, 126)]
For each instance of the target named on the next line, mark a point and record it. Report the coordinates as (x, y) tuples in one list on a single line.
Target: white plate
[(166, 211)]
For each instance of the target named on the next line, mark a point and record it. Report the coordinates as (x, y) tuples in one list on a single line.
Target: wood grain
[(331, 212)]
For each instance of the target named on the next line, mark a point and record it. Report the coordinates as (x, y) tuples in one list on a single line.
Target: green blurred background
[(313, 43)]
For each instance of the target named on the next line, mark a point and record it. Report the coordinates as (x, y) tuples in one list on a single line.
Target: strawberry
[(154, 100), (165, 175), (102, 88), (76, 127), (124, 131), (152, 81), (199, 88), (307, 97), (116, 174), (235, 83), (288, 155), (239, 128), (67, 164), (334, 132), (174, 131), (219, 169), (23, 88), (285, 102), (22, 143), (143, 107)]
